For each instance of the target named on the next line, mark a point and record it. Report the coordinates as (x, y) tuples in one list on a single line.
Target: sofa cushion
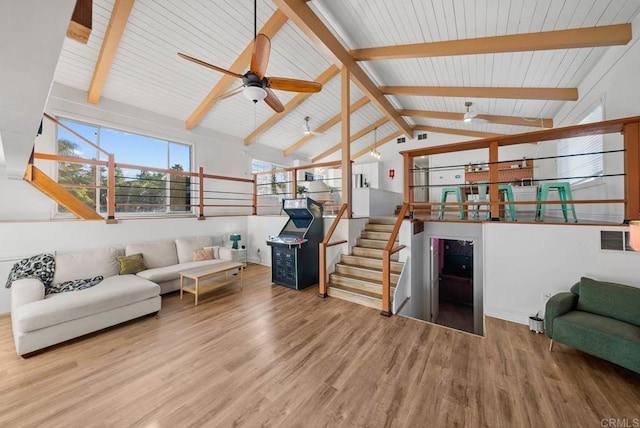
[(203, 254), (169, 273), (86, 264), (112, 292), (185, 247), (156, 254), (601, 336), (130, 265), (609, 299)]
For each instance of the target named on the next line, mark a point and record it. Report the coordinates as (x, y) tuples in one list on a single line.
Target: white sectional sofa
[(40, 321)]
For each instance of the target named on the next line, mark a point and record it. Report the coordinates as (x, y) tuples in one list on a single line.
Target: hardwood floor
[(271, 356)]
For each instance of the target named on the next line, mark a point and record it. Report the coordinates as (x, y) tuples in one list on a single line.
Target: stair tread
[(372, 269), (358, 278), (356, 291)]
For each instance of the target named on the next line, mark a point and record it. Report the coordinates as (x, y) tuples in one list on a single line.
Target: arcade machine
[(294, 252)]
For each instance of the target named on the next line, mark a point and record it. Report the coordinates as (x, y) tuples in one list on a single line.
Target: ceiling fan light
[(254, 93), (469, 116)]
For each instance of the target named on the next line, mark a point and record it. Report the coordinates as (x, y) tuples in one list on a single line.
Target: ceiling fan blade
[(293, 85), (206, 64), (273, 101), (260, 55), (230, 93)]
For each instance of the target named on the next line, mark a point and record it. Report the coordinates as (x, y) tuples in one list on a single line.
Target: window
[(270, 184), (581, 169), (137, 190)]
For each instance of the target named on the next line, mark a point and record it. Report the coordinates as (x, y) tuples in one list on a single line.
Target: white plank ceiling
[(147, 73)]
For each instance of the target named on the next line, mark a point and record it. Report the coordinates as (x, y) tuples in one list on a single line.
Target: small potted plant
[(301, 190)]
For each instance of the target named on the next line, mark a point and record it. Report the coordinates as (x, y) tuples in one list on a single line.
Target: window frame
[(65, 117)]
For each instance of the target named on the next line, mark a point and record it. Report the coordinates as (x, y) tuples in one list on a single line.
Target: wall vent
[(402, 140), (614, 240), (422, 136)]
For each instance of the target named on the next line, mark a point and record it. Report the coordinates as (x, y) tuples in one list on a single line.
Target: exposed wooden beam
[(606, 35), (117, 23), (323, 78), (240, 65), (452, 131), (345, 144), (325, 126), (302, 15), (81, 21), (562, 94), (378, 143), (505, 120), (353, 138)]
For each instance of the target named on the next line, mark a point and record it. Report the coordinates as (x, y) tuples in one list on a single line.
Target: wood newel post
[(322, 292), (408, 164), (254, 200), (631, 133), (201, 193), (494, 178), (386, 283), (111, 190), (294, 182)]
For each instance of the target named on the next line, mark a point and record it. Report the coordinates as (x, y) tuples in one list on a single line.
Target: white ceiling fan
[(307, 129), (472, 116)]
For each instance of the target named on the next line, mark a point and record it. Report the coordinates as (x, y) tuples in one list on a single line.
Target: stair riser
[(396, 267), (383, 236), (372, 253), (355, 298), (379, 227), (379, 220), (364, 273), (356, 284), (372, 243)]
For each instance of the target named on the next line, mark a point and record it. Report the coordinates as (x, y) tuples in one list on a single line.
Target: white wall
[(523, 261), (25, 239)]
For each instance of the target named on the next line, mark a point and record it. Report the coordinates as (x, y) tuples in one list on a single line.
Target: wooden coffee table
[(207, 272)]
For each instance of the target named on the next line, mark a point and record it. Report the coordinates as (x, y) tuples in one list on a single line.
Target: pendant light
[(374, 153)]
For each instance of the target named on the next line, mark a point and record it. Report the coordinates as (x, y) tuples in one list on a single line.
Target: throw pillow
[(77, 284), (42, 266), (203, 254), (216, 251), (131, 264)]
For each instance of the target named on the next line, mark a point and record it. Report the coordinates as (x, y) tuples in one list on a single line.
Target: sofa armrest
[(25, 291), (559, 304), (226, 253)]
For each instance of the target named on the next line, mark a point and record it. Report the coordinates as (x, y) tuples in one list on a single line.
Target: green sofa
[(599, 318)]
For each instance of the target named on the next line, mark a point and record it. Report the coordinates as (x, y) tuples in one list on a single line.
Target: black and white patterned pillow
[(42, 266), (75, 285)]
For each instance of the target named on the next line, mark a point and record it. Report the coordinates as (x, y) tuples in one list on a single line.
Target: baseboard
[(505, 314)]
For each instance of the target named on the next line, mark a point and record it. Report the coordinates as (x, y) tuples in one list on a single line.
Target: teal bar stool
[(508, 196), (483, 196), (564, 193), (445, 192)]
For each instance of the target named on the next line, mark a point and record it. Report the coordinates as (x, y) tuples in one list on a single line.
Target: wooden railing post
[(322, 248), (632, 171), (494, 177), (111, 190), (201, 192), (322, 291), (386, 283), (294, 183), (254, 200)]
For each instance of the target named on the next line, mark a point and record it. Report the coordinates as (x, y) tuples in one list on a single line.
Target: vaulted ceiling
[(500, 75)]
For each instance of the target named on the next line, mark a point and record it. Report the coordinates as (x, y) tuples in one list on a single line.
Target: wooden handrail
[(322, 282), (386, 261)]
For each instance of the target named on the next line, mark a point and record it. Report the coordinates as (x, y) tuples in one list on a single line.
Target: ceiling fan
[(471, 116), (307, 128), (255, 85)]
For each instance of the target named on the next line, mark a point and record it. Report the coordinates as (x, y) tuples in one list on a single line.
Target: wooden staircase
[(49, 187), (358, 276)]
